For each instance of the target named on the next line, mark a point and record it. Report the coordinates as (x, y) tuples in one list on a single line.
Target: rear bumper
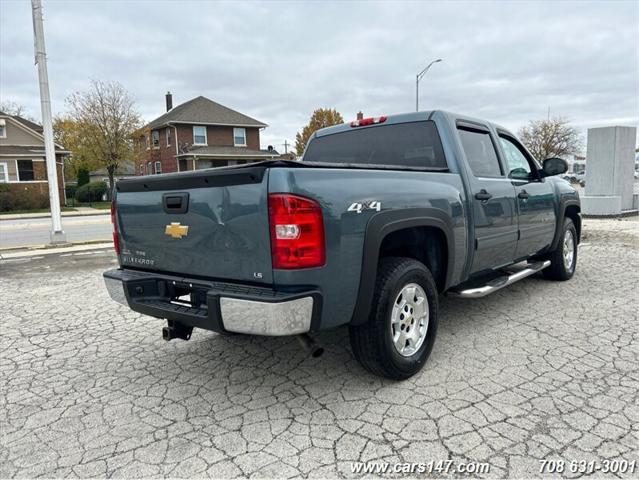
[(216, 306)]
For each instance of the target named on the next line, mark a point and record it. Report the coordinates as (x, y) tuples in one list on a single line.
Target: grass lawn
[(96, 205), (38, 210)]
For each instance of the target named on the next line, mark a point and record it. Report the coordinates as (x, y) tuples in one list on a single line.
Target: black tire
[(558, 270), (372, 342)]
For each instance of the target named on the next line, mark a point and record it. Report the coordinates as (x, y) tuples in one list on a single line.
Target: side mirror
[(554, 166)]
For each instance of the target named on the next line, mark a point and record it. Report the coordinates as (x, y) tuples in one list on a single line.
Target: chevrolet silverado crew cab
[(380, 217)]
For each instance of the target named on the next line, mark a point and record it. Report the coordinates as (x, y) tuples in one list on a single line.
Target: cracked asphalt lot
[(540, 370)]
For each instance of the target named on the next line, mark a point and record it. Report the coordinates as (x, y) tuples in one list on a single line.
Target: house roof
[(24, 121), (228, 152), (37, 133), (124, 169), (201, 110)]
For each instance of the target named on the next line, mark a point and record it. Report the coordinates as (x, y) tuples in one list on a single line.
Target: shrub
[(33, 201), (83, 176), (69, 191), (21, 199), (7, 201), (91, 192)]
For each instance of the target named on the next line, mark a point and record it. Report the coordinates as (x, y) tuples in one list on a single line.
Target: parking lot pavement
[(541, 370)]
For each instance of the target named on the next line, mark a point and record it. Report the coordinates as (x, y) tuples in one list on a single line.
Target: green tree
[(321, 118), (105, 120), (554, 137), (83, 176), (71, 135)]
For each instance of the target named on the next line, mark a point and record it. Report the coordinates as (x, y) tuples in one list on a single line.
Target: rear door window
[(480, 152), (412, 144)]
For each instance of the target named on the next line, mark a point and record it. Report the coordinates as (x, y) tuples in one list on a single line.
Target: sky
[(507, 62)]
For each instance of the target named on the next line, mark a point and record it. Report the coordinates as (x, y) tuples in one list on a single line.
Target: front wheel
[(399, 335), (563, 260)]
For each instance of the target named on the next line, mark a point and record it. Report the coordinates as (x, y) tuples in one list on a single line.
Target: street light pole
[(57, 235), (418, 77)]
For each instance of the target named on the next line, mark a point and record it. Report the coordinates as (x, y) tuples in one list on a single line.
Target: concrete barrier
[(610, 168)]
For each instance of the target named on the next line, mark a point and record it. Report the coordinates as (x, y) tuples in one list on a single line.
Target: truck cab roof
[(410, 117)]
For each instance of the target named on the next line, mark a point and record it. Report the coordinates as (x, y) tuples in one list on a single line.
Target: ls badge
[(175, 230)]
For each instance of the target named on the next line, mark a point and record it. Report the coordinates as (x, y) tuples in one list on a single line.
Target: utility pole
[(57, 235), (418, 77), (286, 145)]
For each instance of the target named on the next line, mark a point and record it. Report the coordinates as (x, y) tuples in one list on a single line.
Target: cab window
[(517, 162), (410, 144), (480, 152)]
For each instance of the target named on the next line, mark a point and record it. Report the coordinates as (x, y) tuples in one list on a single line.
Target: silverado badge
[(175, 230)]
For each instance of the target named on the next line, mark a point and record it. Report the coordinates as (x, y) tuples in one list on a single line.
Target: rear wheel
[(563, 260), (400, 333)]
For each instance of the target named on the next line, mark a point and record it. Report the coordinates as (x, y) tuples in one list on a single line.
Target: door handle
[(175, 202), (523, 195), (483, 195)]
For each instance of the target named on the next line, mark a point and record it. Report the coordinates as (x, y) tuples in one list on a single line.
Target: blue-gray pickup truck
[(380, 217)]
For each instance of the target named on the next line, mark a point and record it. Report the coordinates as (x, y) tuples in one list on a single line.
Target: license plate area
[(187, 294), (176, 292)]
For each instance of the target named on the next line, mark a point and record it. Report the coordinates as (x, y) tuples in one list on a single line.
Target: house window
[(141, 169), (199, 135), (202, 163), (147, 141), (158, 167), (4, 173), (155, 137), (168, 136), (239, 137), (149, 168), (25, 170), (3, 128)]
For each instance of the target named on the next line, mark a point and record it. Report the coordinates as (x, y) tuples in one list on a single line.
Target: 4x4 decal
[(359, 207)]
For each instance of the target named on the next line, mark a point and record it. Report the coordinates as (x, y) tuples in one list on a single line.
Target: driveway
[(538, 371)]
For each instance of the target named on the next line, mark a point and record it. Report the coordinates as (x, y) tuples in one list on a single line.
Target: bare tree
[(14, 108), (106, 119), (554, 137)]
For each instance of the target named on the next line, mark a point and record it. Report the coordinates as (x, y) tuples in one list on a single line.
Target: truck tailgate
[(207, 223)]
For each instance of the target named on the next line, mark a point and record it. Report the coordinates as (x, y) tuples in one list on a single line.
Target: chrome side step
[(501, 282)]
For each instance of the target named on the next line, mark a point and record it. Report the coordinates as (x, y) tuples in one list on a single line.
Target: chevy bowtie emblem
[(175, 230)]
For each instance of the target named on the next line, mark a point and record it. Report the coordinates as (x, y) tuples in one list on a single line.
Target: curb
[(48, 250), (618, 216), (28, 216)]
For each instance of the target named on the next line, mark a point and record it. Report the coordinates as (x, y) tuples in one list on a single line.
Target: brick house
[(22, 158), (199, 134)]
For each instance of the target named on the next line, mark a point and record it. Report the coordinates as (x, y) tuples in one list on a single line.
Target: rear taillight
[(297, 231), (116, 240)]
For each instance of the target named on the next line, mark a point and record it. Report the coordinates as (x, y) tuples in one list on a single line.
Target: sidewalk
[(79, 212)]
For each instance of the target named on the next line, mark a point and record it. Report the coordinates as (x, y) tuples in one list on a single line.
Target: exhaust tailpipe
[(308, 344)]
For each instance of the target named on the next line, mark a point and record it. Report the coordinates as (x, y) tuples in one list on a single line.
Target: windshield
[(414, 144)]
